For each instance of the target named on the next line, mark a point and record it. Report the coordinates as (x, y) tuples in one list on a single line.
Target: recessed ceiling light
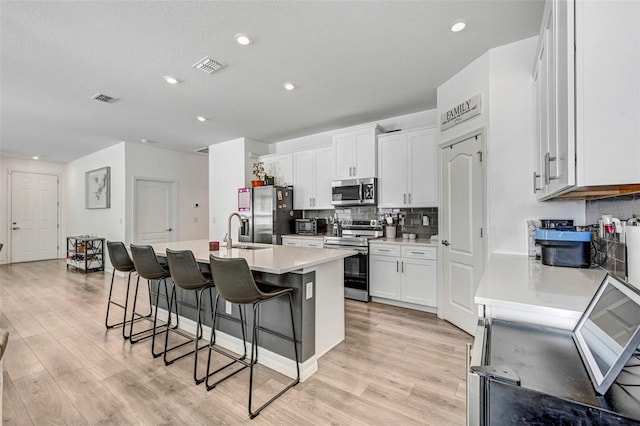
[(243, 39), (289, 86), (171, 79), (36, 157), (201, 118), (144, 140), (458, 26)]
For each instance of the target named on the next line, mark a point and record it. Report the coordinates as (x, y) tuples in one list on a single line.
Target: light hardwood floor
[(395, 367)]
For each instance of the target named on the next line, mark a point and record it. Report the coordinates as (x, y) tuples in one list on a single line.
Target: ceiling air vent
[(104, 98), (204, 150), (208, 65)]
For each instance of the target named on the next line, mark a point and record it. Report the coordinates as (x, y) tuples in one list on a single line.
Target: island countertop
[(269, 258)]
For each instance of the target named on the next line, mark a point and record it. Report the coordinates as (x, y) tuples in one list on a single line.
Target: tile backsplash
[(411, 219), (610, 255), (623, 207)]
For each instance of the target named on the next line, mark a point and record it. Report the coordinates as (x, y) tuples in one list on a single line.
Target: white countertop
[(418, 241), (270, 258), (518, 283)]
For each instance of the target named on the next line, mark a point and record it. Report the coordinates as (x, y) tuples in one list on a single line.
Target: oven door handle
[(361, 192), (360, 250)]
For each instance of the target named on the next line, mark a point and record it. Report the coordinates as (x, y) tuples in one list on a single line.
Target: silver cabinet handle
[(169, 229), (404, 198), (409, 197), (402, 263), (354, 170), (15, 228), (547, 168), (397, 266), (417, 252), (535, 181), (385, 250)]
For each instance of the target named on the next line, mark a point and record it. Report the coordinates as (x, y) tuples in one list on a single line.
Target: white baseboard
[(401, 304), (266, 357)]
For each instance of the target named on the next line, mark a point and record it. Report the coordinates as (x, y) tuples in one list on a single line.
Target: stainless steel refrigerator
[(273, 214)]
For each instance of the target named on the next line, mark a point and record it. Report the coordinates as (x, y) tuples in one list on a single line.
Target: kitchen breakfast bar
[(317, 278)]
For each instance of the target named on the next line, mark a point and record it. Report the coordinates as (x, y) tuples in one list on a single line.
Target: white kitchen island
[(317, 277)]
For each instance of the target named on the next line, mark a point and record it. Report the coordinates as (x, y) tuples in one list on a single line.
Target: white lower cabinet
[(404, 273), (302, 242)]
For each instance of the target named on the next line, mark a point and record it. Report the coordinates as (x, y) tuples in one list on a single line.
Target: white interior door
[(34, 216), (154, 217), (462, 222)]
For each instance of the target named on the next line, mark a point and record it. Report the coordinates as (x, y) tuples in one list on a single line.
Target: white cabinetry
[(587, 87), (404, 273), (302, 242), (408, 169), (355, 152), (280, 166), (313, 173)]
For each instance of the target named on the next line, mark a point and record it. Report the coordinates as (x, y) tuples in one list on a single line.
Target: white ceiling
[(352, 62)]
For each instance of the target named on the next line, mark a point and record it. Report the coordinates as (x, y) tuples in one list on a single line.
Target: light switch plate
[(309, 291), (227, 307)]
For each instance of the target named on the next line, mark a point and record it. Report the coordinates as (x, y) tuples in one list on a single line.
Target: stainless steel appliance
[(355, 235), (311, 226), (354, 192), (245, 234), (272, 213)]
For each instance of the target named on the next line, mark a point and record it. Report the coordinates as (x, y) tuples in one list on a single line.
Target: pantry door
[(34, 216), (461, 232), (154, 216)]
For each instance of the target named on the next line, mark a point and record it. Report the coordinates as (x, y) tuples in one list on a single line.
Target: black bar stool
[(149, 267), (186, 274), (235, 283), (122, 262)]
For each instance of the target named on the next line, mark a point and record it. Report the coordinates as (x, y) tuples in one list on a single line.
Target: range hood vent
[(104, 98), (208, 65)]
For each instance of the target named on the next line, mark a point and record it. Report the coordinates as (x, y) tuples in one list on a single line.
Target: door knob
[(445, 242), (169, 229)]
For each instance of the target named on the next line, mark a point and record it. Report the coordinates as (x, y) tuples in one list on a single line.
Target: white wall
[(31, 166), (503, 76), (512, 156), (106, 223), (404, 122), (189, 171), (229, 169)]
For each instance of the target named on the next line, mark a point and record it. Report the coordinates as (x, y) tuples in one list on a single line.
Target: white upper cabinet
[(355, 153), (313, 173), (408, 169), (588, 109), (280, 166)]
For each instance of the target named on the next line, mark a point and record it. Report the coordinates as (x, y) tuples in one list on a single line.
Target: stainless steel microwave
[(354, 192)]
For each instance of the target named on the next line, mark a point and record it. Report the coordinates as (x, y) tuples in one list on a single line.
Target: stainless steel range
[(355, 235)]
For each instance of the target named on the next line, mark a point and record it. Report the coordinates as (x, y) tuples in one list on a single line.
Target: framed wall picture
[(98, 188)]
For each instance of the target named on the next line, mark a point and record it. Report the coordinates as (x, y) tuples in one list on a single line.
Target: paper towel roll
[(633, 255)]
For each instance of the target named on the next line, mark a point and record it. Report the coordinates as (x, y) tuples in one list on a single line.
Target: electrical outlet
[(309, 292), (227, 307)]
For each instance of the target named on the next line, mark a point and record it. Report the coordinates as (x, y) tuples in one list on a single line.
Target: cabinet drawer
[(292, 242), (313, 243), (384, 250), (428, 253)]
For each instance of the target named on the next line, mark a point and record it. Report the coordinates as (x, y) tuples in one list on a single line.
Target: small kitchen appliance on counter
[(565, 248), (311, 226)]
